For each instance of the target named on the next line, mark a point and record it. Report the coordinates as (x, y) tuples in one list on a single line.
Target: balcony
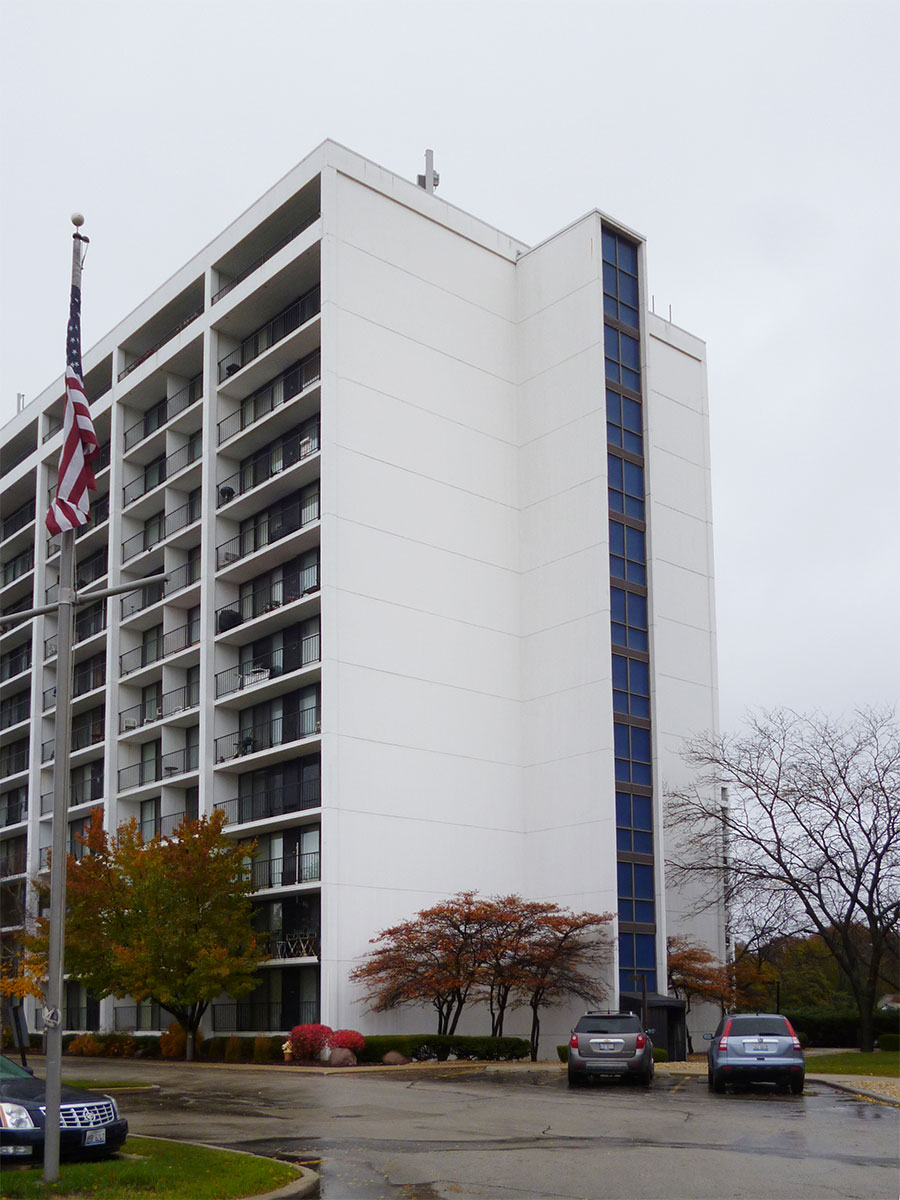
[(158, 345), (274, 802), (12, 864), (271, 333), (78, 850), (264, 258), (163, 412), (87, 626), (14, 758), (141, 1018), (283, 730), (268, 464), (252, 1017), (269, 530), (12, 811), (268, 599), (260, 670), (162, 471), (159, 648), (16, 662), (17, 567), (161, 826), (157, 530), (17, 520), (273, 395), (302, 944), (179, 700), (82, 682), (81, 791), (286, 871), (17, 709), (156, 770), (90, 734), (152, 593)]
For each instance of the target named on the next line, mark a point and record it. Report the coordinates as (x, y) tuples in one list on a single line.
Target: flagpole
[(61, 786)]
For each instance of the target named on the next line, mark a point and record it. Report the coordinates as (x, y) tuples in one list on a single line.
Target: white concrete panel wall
[(683, 639), (421, 672)]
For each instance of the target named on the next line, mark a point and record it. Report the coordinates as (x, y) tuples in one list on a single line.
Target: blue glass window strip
[(624, 426), (631, 686), (626, 487), (632, 754), (627, 553), (629, 619)]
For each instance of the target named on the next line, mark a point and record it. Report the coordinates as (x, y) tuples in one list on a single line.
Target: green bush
[(835, 1027), (660, 1054), (147, 1045), (267, 1049), (213, 1049), (439, 1047), (889, 1041), (233, 1049), (563, 1052)]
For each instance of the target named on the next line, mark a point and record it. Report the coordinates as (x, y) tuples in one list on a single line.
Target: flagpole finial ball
[(77, 220)]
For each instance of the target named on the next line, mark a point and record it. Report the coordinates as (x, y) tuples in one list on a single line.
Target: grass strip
[(853, 1062), (152, 1169)]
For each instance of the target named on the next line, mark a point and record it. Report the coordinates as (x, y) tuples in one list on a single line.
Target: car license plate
[(606, 1045), (762, 1047), (95, 1137)]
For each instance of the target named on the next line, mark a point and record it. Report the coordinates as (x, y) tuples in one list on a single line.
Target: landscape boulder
[(394, 1058), (341, 1057)]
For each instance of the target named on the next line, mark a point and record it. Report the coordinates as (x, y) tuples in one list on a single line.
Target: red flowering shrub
[(348, 1039), (308, 1040)]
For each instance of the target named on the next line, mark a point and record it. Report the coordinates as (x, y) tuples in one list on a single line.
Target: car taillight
[(723, 1040), (794, 1039), (640, 1042), (573, 1041)]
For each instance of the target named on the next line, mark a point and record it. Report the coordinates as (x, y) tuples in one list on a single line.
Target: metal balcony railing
[(92, 623), (82, 683), (152, 593), (159, 527), (179, 700), (163, 412), (159, 648), (273, 802), (144, 355), (271, 333), (12, 811), (15, 662), (286, 871), (78, 850), (288, 385), (158, 473), (18, 709), (141, 1018), (269, 463), (267, 666), (267, 598), (263, 258), (303, 943), (91, 733), (86, 572), (17, 520), (268, 530), (258, 1017), (14, 758), (12, 864), (160, 826), (155, 770), (279, 732), (18, 566), (81, 791)]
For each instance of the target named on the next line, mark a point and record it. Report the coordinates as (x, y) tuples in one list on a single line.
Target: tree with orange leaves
[(165, 920)]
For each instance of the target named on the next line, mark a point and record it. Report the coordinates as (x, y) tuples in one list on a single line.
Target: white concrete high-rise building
[(435, 506)]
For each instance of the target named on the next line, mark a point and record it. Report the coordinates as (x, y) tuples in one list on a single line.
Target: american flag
[(76, 477)]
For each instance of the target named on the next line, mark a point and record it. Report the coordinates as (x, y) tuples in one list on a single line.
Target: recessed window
[(626, 487), (627, 553), (634, 823), (632, 748), (629, 619), (631, 686), (624, 422)]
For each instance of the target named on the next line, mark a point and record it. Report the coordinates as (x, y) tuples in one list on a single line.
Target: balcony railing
[(18, 710), (12, 811), (78, 850), (144, 355), (302, 944), (268, 530), (157, 530), (286, 871), (160, 826), (12, 864), (252, 1017), (155, 770), (163, 412), (288, 385), (268, 464), (82, 683), (267, 599), (274, 802), (81, 791), (162, 471), (17, 520), (14, 759), (159, 648), (152, 593), (18, 566), (271, 333), (263, 258), (88, 627), (90, 734), (281, 731), (179, 700), (15, 662), (141, 1018), (267, 666)]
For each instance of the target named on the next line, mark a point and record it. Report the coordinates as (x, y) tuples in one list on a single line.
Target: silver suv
[(610, 1043), (755, 1046)]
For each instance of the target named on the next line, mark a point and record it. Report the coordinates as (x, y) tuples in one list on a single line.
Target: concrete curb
[(854, 1089)]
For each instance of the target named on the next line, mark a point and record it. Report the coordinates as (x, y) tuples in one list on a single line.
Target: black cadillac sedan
[(89, 1122)]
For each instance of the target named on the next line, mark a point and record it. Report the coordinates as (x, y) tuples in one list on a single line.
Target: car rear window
[(764, 1025), (608, 1025)]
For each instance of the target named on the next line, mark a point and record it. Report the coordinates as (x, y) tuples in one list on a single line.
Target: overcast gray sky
[(755, 144)]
